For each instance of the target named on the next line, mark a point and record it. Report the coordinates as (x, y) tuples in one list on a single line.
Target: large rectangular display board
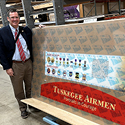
[(80, 68)]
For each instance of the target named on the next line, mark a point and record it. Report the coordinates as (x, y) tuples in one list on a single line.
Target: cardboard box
[(101, 41)]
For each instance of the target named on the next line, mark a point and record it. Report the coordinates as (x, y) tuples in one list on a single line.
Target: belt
[(14, 61)]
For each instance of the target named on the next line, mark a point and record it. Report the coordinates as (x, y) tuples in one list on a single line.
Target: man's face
[(13, 19)]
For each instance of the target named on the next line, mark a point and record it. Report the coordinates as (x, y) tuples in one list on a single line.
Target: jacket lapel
[(23, 33), (10, 34)]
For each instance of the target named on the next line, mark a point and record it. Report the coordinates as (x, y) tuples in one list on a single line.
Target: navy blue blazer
[(7, 44)]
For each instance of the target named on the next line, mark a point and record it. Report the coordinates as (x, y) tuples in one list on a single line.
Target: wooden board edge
[(57, 112)]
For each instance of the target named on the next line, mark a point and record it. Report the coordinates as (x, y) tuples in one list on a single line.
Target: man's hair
[(11, 11)]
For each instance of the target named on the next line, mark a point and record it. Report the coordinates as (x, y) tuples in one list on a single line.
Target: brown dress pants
[(21, 82)]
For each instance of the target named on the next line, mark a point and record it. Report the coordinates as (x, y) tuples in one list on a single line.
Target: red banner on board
[(86, 99)]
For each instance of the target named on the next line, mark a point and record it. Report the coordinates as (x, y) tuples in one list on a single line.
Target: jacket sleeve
[(3, 57), (28, 32)]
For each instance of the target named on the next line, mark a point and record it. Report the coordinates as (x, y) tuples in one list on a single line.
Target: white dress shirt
[(16, 55)]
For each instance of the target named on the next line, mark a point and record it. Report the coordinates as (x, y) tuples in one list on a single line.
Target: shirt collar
[(13, 29)]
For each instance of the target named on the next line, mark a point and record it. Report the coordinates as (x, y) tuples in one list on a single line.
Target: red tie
[(22, 54)]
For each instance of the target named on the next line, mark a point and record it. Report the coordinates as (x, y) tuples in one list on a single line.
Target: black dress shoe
[(24, 114)]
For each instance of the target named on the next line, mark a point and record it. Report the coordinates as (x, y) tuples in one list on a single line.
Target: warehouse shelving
[(29, 9)]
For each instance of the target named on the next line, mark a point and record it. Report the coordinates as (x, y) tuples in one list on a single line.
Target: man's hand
[(42, 26), (10, 72)]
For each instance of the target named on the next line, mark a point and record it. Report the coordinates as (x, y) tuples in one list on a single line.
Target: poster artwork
[(99, 70)]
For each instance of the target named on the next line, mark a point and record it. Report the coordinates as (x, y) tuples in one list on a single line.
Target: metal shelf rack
[(28, 11)]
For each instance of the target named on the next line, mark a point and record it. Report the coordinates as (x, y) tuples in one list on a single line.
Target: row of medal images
[(66, 74), (66, 62)]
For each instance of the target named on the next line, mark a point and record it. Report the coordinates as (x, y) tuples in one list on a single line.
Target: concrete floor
[(9, 112)]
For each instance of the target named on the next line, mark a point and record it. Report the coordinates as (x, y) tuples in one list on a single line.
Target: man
[(16, 57)]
